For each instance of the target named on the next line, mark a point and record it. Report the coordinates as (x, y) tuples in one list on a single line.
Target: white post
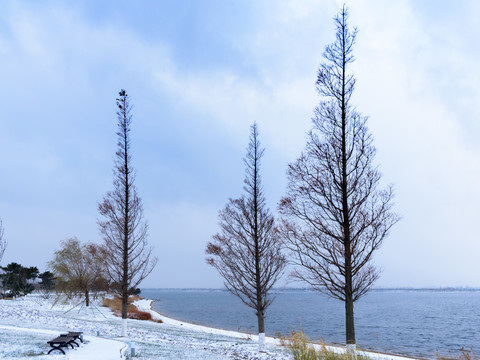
[(124, 327), (352, 350), (261, 342)]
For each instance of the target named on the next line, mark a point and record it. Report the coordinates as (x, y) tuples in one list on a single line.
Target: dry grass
[(463, 355), (115, 305), (302, 349)]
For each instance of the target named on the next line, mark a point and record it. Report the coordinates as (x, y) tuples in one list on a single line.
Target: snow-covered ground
[(26, 324)]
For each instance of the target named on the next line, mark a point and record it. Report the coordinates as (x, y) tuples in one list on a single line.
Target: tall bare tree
[(334, 215), (125, 231), (247, 251), (3, 241), (79, 269)]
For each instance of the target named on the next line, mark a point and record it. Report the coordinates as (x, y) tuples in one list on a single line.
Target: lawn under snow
[(26, 324)]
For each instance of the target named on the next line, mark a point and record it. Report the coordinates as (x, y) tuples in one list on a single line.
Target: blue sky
[(199, 73)]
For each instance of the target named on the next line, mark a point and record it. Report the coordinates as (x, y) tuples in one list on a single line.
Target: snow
[(92, 348), (26, 324)]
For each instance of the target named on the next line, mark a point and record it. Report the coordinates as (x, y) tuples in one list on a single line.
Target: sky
[(199, 73)]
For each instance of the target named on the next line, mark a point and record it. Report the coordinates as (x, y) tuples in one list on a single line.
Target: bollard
[(132, 348)]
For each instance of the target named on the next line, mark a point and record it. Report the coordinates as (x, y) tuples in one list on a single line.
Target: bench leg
[(73, 342), (57, 348)]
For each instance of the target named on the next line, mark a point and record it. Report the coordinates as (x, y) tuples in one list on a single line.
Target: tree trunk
[(261, 331), (260, 315), (349, 318), (124, 327), (349, 321), (125, 227), (124, 314), (87, 298)]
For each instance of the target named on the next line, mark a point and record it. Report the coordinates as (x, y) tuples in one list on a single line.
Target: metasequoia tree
[(124, 229), (79, 269), (335, 217), (3, 241), (247, 250)]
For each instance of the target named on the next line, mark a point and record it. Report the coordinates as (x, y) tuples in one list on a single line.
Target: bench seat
[(61, 341)]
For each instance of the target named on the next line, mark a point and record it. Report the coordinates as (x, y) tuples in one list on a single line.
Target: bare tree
[(334, 216), (78, 268), (3, 241), (124, 229), (247, 251)]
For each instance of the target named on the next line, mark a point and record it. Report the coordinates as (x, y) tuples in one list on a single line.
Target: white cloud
[(417, 80), (420, 129)]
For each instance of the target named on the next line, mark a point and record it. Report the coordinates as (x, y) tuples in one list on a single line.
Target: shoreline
[(172, 339), (191, 326), (268, 339)]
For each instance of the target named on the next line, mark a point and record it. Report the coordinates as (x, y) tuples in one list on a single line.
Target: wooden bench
[(77, 335), (62, 341)]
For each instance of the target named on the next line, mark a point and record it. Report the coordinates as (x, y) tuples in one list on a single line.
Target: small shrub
[(137, 291), (139, 315)]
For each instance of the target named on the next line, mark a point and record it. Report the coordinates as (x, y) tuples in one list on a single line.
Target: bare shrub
[(133, 312)]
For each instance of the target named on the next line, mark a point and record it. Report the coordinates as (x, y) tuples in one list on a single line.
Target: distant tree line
[(76, 271), (18, 280)]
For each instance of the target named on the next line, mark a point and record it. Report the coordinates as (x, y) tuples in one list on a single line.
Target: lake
[(410, 322)]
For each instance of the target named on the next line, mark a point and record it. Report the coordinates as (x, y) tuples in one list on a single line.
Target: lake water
[(411, 322)]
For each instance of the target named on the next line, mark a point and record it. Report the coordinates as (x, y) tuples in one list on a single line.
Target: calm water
[(411, 322)]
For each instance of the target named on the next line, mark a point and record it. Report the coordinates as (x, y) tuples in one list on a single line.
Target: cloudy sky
[(199, 73)]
